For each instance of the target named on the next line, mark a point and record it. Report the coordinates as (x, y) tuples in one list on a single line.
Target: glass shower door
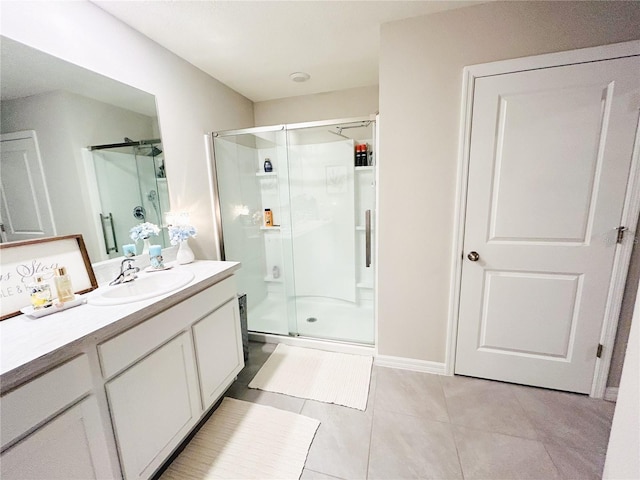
[(332, 195), (252, 177)]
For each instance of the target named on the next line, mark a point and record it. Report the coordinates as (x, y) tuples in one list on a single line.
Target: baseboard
[(403, 363), (611, 394)]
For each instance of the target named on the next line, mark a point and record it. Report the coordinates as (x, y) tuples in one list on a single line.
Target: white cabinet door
[(549, 162), (71, 446), (218, 342), (153, 405)]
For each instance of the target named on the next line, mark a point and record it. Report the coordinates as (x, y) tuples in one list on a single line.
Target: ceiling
[(253, 46), (26, 71)]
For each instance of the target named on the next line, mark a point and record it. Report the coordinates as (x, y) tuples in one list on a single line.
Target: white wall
[(353, 102), (190, 103), (64, 124), (421, 61), (623, 454)]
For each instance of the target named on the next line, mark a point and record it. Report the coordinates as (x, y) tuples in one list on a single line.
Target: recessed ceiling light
[(299, 76)]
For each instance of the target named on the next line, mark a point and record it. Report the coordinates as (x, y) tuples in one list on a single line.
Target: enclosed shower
[(297, 208), (132, 189)]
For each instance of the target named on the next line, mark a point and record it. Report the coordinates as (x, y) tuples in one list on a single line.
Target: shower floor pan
[(335, 320)]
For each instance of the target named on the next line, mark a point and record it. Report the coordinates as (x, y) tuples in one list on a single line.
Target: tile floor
[(424, 426)]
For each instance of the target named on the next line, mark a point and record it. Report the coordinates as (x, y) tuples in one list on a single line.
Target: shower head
[(339, 133), (148, 150)]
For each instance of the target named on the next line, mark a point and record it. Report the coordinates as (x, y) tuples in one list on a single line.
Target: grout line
[(373, 414), (453, 433), (322, 473)]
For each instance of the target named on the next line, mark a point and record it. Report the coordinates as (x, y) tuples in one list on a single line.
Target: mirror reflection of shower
[(132, 187)]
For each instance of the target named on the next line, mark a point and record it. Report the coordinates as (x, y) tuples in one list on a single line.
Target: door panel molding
[(630, 213)]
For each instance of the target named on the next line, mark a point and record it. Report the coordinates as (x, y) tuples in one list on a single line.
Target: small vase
[(185, 254), (145, 247)]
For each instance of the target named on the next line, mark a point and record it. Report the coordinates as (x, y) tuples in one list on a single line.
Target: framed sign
[(21, 261)]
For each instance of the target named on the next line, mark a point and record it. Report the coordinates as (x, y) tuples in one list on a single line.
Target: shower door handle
[(367, 237), (109, 218)]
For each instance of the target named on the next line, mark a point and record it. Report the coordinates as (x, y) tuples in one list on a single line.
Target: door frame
[(630, 212)]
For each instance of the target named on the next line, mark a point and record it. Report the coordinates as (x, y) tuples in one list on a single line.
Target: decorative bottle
[(40, 293), (64, 288), (268, 167)]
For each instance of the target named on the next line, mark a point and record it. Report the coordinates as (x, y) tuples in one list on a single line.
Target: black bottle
[(267, 166)]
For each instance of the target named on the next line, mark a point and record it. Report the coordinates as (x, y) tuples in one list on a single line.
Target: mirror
[(81, 153)]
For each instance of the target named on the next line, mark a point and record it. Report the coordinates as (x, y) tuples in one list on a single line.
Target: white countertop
[(29, 346)]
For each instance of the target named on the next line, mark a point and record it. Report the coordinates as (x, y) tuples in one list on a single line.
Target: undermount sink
[(150, 285)]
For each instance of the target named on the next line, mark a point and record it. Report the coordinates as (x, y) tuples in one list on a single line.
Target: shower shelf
[(270, 278), (364, 285), (365, 169), (266, 174), (270, 228)]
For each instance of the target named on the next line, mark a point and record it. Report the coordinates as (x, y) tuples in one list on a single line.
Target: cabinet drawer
[(30, 405), (128, 347)]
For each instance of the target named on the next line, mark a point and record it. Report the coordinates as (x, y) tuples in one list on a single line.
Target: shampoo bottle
[(63, 285), (268, 218)]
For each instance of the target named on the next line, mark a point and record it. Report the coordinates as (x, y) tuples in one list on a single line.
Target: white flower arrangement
[(180, 233), (142, 231)]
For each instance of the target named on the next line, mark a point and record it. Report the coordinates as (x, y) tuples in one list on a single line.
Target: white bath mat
[(245, 440), (317, 375)]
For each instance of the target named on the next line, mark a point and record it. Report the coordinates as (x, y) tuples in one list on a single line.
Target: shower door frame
[(328, 344)]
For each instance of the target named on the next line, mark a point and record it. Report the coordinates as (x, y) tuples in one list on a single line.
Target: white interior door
[(550, 155), (25, 209)]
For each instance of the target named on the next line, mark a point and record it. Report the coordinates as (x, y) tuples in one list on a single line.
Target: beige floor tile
[(341, 445), (407, 447), (311, 475), (410, 393), (576, 464), (485, 455), (567, 419), (485, 405)]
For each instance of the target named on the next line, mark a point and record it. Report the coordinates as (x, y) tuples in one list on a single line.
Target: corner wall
[(421, 62), (190, 102), (352, 102)]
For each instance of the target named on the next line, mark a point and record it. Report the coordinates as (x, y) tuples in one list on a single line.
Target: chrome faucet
[(127, 272)]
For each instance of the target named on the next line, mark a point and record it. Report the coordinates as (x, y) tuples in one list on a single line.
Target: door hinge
[(599, 351), (621, 231)]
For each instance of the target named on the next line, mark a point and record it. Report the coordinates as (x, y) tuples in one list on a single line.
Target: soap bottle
[(40, 293), (63, 285), (268, 218), (268, 167)]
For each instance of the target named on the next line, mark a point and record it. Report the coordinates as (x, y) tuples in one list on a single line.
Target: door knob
[(473, 256)]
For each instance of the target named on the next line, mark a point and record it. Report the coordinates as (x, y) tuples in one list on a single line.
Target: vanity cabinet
[(123, 401), (164, 374), (154, 404), (52, 428)]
